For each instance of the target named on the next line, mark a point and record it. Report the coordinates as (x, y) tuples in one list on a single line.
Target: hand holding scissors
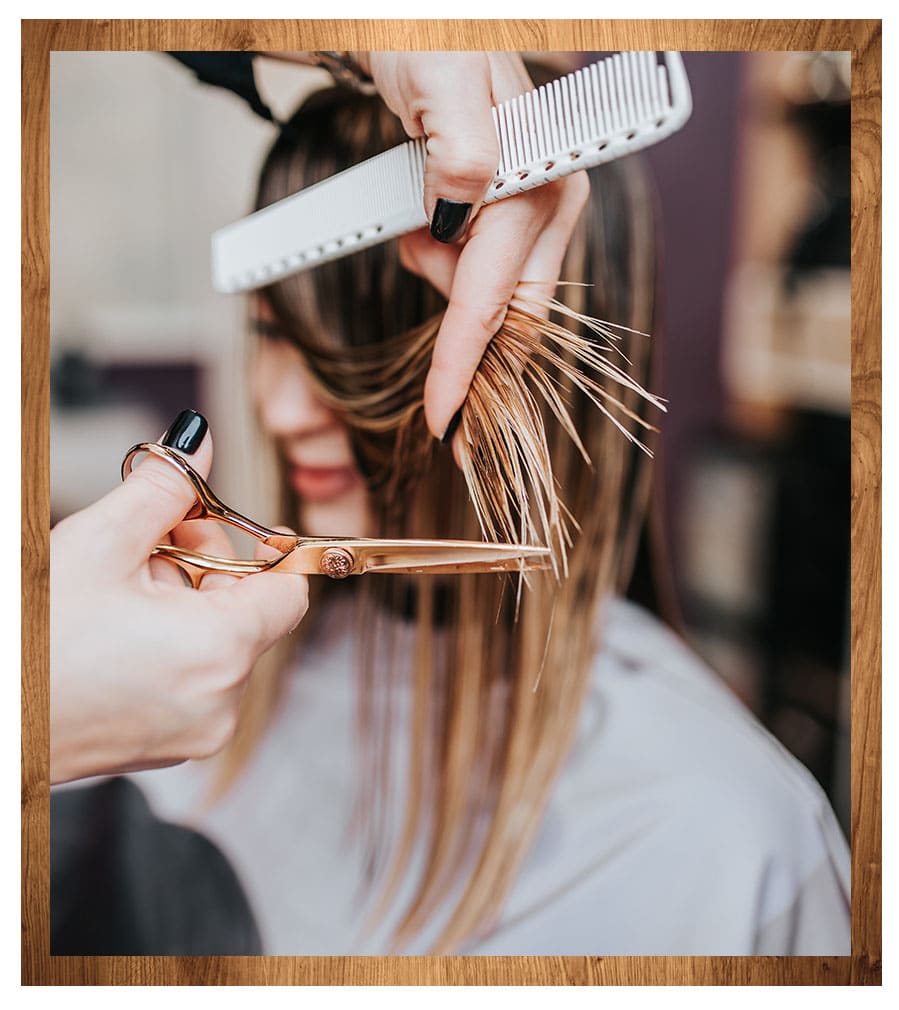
[(335, 557), (144, 670)]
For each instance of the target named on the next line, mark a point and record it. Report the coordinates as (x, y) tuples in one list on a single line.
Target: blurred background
[(753, 324)]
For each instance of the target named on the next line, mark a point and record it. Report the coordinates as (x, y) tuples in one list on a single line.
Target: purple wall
[(694, 174)]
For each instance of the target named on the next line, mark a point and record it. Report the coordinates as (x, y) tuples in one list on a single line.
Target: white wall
[(145, 163)]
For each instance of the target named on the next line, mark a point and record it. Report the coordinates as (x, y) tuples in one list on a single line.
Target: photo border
[(863, 39)]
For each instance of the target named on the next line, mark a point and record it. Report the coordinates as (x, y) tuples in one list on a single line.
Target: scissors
[(336, 557)]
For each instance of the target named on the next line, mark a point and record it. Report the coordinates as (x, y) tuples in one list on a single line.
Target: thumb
[(267, 605), (155, 496)]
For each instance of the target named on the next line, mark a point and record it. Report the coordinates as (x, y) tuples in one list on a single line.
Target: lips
[(322, 483)]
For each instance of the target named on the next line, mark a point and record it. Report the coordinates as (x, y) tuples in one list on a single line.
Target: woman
[(531, 770)]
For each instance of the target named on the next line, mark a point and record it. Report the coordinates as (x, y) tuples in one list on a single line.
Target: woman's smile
[(320, 484)]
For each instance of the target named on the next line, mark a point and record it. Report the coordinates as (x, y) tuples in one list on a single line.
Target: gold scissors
[(336, 557)]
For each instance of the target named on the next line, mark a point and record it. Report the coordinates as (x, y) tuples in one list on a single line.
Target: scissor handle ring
[(207, 505), (201, 507)]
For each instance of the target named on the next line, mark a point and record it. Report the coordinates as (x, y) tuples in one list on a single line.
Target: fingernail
[(186, 432), (449, 220), (451, 427)]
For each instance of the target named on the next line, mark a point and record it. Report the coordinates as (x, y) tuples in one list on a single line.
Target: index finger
[(489, 269)]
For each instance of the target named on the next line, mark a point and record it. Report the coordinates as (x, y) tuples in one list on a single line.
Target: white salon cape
[(678, 825)]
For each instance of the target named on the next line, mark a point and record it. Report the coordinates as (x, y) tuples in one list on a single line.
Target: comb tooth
[(564, 134), (597, 101), (643, 67), (510, 135), (515, 125), (630, 105), (558, 123), (619, 90), (502, 158), (627, 90), (514, 155), (545, 128), (619, 94), (531, 114), (663, 86), (539, 114), (583, 90), (612, 95), (566, 112), (554, 139), (506, 138), (549, 120), (532, 132), (515, 128), (527, 131), (648, 85), (587, 124), (657, 85), (417, 163), (571, 120), (643, 86), (506, 161), (565, 140), (580, 105), (577, 115), (517, 133), (639, 111), (655, 98), (571, 111)]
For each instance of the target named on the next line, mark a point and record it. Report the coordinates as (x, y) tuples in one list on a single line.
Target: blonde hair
[(497, 675)]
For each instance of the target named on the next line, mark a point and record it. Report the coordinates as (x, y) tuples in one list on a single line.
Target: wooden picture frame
[(863, 39)]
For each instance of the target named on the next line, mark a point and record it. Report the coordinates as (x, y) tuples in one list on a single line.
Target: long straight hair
[(553, 433)]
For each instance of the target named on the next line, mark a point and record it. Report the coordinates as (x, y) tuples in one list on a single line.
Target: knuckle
[(493, 316), (215, 733), (220, 646), (486, 316), (163, 480), (466, 163), (213, 653)]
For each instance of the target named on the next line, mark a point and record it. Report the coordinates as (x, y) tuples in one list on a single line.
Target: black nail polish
[(186, 432), (449, 220), (451, 427)]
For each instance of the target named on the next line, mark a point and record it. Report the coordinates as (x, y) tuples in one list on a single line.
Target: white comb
[(621, 104)]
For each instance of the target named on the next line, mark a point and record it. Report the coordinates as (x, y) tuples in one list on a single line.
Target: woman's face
[(315, 444)]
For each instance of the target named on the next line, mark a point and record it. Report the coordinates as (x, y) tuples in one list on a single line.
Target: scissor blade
[(340, 558), (528, 564)]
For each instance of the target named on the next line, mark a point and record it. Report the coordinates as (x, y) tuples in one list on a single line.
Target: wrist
[(348, 70)]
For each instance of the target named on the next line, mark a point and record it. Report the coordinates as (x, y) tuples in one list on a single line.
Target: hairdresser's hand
[(448, 97), (146, 671)]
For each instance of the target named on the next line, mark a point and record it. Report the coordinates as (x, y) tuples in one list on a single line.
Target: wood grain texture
[(863, 38), (866, 655)]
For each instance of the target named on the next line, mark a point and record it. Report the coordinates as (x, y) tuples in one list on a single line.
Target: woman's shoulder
[(655, 705), (656, 711), (678, 810)]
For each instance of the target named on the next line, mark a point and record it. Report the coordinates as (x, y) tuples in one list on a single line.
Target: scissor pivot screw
[(336, 563)]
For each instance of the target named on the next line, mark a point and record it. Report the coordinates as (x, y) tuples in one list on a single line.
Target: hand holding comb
[(611, 108)]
